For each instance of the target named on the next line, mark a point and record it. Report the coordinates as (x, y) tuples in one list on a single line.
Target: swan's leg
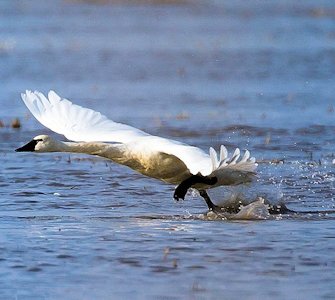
[(210, 204), (182, 188)]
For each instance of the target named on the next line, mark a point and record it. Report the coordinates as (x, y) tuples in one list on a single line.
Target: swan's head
[(40, 143)]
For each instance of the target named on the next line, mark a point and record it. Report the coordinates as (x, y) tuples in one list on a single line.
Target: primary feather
[(77, 123), (142, 151)]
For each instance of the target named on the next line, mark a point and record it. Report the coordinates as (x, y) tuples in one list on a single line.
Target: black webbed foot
[(180, 192), (183, 187)]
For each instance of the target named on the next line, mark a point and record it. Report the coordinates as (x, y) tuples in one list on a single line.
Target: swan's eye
[(39, 140)]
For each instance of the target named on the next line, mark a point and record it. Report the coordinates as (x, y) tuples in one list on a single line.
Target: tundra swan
[(165, 159)]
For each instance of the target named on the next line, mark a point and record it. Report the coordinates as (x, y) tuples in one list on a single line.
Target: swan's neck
[(111, 151), (88, 148)]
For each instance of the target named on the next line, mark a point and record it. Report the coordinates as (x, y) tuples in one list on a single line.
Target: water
[(258, 75)]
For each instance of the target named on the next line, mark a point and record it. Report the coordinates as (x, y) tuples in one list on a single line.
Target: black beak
[(28, 147)]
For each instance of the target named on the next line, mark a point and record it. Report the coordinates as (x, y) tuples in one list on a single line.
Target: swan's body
[(168, 160)]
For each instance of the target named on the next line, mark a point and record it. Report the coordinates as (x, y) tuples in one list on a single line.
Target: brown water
[(258, 75)]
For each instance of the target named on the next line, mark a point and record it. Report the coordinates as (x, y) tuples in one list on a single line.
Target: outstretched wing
[(246, 163), (231, 170), (77, 123)]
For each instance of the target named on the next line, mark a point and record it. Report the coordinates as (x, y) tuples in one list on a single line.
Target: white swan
[(168, 160)]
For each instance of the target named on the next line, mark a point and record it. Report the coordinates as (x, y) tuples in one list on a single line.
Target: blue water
[(257, 75)]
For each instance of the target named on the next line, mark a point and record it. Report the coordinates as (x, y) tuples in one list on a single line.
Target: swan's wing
[(229, 169), (199, 162), (245, 164), (232, 170), (75, 122), (194, 159)]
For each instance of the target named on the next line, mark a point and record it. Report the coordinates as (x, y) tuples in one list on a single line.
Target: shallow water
[(254, 75)]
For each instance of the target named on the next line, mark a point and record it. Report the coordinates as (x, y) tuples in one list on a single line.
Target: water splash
[(256, 210)]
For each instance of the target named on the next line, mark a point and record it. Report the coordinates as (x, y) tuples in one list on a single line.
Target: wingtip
[(52, 93), (25, 93), (28, 93)]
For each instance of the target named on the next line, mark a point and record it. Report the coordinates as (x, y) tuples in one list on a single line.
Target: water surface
[(257, 75)]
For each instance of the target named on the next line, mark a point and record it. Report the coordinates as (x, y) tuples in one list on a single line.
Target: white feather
[(223, 153), (75, 122), (214, 158), (235, 156), (245, 156)]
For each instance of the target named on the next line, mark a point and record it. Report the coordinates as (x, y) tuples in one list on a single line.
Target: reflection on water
[(254, 75)]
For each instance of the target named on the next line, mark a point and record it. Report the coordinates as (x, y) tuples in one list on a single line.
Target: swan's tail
[(233, 170)]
